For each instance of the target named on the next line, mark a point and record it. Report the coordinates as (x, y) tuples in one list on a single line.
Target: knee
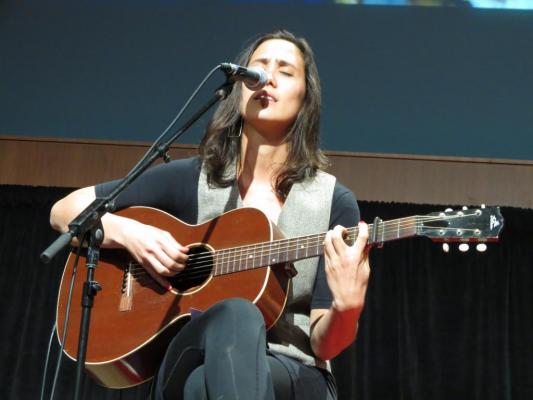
[(238, 310)]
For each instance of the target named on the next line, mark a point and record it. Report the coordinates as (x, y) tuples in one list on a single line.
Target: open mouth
[(265, 98)]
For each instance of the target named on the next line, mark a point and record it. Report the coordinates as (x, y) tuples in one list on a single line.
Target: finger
[(170, 264), (363, 267), (329, 250), (362, 238), (157, 266), (363, 272), (338, 239), (156, 275), (173, 244), (174, 250)]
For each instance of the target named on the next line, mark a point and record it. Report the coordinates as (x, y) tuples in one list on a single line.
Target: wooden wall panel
[(437, 180), (378, 177), (70, 163)]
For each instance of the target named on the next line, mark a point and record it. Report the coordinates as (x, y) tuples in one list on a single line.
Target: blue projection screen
[(445, 81)]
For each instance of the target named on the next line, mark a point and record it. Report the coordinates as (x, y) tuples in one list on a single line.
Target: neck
[(262, 155)]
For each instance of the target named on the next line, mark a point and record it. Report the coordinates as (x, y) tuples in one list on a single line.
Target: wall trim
[(420, 179)]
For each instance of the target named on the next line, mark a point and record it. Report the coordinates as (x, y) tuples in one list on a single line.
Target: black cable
[(43, 382), (64, 335)]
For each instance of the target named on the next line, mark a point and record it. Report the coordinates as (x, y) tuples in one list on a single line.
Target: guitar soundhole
[(197, 271)]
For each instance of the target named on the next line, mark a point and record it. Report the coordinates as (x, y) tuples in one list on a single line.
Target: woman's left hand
[(347, 268)]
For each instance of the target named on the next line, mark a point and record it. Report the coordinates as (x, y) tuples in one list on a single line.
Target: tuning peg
[(481, 247), (465, 208), (464, 247), (446, 247), (482, 206), (448, 210)]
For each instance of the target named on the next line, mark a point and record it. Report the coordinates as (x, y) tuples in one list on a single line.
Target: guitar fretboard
[(259, 255)]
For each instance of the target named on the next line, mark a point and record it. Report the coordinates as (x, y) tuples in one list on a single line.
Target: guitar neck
[(288, 250)]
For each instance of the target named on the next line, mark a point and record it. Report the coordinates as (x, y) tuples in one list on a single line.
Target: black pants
[(222, 355)]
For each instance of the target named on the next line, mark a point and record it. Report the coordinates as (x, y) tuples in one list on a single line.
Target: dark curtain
[(436, 325)]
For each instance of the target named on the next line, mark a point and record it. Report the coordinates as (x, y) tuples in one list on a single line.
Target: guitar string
[(388, 227), (188, 275), (201, 264), (287, 245), (243, 255), (284, 245)]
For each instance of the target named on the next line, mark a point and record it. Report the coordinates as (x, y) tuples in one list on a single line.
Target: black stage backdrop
[(435, 326)]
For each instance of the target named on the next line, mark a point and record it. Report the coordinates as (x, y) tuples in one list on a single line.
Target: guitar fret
[(239, 259), (284, 254), (281, 254), (244, 264), (225, 266), (397, 229), (318, 245), (219, 259), (253, 256), (263, 256), (231, 264), (274, 253), (292, 252), (301, 248)]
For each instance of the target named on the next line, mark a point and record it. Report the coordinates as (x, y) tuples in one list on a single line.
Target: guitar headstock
[(476, 225)]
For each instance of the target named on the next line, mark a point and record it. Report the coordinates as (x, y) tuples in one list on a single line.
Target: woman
[(260, 150)]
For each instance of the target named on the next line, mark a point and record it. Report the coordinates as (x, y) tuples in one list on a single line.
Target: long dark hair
[(219, 150)]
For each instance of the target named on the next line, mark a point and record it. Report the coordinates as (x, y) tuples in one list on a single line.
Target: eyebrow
[(265, 60)]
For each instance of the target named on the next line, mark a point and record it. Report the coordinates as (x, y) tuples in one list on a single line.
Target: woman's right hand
[(155, 249)]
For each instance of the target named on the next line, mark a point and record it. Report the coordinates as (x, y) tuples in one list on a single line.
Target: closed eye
[(286, 73)]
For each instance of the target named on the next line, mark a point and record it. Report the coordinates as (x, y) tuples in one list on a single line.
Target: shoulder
[(344, 208), (191, 165), (342, 196), (180, 170)]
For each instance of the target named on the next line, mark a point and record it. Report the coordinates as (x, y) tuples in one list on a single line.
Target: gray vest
[(306, 211)]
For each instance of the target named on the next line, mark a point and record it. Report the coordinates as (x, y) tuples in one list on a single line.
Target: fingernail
[(169, 288)]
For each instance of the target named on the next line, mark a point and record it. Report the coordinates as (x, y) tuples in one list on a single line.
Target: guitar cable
[(64, 335), (75, 267), (43, 382)]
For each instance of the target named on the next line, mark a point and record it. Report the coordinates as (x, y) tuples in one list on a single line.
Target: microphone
[(253, 78)]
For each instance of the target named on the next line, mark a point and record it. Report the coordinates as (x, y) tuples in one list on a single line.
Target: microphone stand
[(87, 226)]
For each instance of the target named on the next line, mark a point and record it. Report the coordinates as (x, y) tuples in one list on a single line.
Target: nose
[(271, 79)]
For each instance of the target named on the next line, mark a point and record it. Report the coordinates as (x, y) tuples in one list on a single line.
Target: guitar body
[(134, 319)]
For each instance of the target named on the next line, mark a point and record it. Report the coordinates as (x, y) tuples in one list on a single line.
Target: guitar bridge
[(126, 299)]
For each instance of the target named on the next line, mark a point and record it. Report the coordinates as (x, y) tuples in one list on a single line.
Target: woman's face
[(276, 106)]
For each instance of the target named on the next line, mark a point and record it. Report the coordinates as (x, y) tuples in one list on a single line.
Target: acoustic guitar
[(238, 254)]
